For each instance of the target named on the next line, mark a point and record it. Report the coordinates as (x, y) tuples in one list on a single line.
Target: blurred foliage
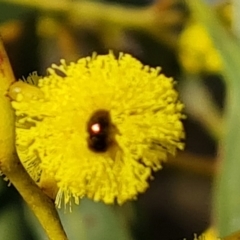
[(37, 35), (227, 208)]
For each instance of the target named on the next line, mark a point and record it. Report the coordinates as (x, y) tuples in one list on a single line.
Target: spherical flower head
[(98, 127), (197, 52)]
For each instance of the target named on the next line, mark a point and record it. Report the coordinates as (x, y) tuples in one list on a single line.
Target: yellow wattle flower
[(197, 53), (209, 234), (97, 127)]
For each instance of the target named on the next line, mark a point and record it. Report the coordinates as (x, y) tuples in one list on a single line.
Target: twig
[(193, 163)]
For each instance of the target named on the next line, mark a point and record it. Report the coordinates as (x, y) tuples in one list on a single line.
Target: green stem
[(10, 165), (42, 206)]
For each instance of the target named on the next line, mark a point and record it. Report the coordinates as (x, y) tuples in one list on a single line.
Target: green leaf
[(227, 190), (96, 221), (12, 12)]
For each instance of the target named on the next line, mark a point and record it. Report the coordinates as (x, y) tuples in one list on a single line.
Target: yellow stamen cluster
[(209, 234), (52, 119)]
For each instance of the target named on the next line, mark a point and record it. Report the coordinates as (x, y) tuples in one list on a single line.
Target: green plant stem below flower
[(42, 206), (11, 167)]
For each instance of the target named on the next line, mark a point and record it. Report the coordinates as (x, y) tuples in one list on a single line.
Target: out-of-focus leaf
[(236, 17), (11, 11), (227, 190), (10, 227), (90, 221), (200, 105), (96, 221)]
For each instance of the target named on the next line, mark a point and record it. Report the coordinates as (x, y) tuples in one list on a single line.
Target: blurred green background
[(159, 33)]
